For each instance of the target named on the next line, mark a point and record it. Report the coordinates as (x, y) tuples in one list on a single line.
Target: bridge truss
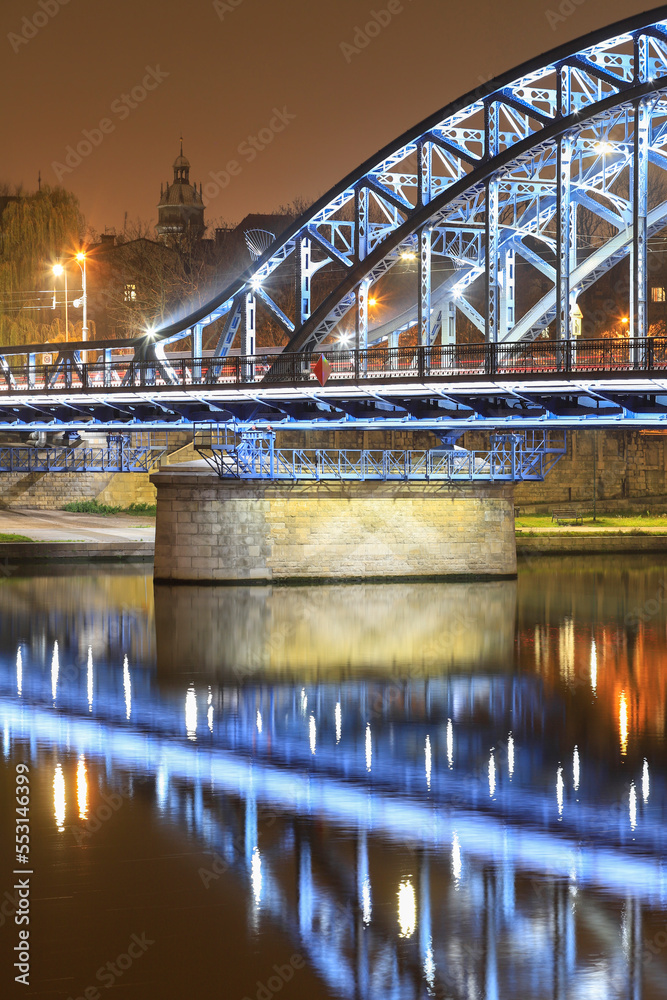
[(552, 173)]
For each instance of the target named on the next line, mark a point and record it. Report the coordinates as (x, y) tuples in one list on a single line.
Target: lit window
[(657, 294), (130, 294)]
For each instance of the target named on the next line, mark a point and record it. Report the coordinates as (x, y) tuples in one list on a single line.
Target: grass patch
[(564, 533), (601, 521), (15, 538), (142, 508), (93, 507)]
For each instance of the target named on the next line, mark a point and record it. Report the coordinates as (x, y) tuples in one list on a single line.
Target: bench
[(567, 514)]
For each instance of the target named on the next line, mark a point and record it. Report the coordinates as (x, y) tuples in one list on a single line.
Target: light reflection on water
[(424, 790)]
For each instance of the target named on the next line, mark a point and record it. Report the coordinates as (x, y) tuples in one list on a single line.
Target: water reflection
[(488, 821), (59, 805), (82, 788), (248, 632)]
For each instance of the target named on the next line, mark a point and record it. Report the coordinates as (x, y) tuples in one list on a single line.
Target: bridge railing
[(541, 357)]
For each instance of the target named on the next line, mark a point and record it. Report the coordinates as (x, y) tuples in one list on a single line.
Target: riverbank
[(587, 542), (61, 536)]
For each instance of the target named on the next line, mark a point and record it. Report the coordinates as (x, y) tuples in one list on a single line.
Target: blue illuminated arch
[(504, 171)]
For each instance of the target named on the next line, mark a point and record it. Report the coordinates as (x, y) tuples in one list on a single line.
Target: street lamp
[(58, 269), (81, 261)]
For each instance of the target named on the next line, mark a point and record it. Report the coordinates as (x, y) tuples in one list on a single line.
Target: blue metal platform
[(510, 458)]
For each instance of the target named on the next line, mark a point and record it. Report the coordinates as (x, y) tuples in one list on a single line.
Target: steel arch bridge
[(504, 207), (560, 164)]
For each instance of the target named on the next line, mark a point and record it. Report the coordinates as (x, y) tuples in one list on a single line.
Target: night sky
[(217, 72)]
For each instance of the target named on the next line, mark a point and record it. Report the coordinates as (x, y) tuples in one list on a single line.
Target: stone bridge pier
[(243, 531)]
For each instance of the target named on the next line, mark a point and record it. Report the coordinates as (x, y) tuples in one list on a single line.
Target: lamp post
[(58, 269), (81, 261)]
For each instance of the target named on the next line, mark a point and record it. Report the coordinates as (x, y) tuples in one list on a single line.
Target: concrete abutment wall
[(253, 531)]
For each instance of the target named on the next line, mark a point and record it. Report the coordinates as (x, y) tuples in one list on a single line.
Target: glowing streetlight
[(58, 270), (81, 261)]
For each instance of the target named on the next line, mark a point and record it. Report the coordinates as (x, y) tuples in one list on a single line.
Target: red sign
[(322, 369)]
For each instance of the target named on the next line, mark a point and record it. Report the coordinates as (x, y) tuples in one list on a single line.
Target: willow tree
[(35, 230)]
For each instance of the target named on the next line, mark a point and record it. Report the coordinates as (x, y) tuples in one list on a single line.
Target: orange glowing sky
[(229, 66)]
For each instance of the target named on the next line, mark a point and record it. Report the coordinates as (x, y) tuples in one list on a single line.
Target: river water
[(364, 791)]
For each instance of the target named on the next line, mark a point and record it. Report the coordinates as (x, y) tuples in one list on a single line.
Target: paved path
[(61, 526)]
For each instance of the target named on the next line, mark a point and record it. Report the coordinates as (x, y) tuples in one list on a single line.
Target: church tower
[(180, 209)]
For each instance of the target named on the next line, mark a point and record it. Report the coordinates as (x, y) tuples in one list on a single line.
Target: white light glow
[(89, 678), (428, 759), (366, 903), (575, 769), (594, 667), (560, 787), (492, 775), (450, 744), (369, 748), (633, 806), (304, 701), (456, 857), (19, 672), (407, 908), (510, 755), (82, 788), (339, 722), (55, 670), (429, 966), (256, 875), (209, 710), (191, 713), (259, 721), (127, 687), (646, 788), (312, 734), (59, 806), (162, 786)]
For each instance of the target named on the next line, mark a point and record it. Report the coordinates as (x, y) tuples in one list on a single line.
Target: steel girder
[(519, 159)]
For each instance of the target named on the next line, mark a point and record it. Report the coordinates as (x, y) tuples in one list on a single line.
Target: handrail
[(546, 358)]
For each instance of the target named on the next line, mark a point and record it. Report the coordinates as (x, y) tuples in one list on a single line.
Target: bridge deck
[(495, 385)]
